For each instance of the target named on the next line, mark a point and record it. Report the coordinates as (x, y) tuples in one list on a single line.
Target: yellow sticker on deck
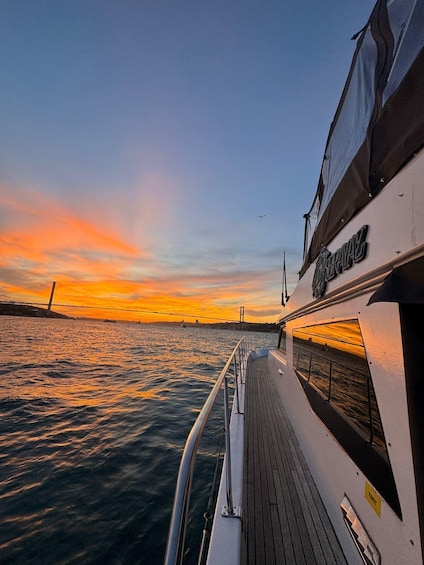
[(373, 498)]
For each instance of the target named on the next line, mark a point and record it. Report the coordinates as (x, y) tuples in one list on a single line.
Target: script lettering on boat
[(330, 265)]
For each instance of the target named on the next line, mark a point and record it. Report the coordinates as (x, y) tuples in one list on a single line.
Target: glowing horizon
[(97, 270)]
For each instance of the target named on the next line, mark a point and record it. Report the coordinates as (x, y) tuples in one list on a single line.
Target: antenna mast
[(284, 295)]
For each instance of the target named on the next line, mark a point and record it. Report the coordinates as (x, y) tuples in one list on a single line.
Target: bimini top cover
[(379, 123)]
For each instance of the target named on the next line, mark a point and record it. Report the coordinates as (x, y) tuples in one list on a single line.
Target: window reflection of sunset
[(344, 336)]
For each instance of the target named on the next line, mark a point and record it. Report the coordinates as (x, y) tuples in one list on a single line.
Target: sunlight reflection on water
[(93, 419)]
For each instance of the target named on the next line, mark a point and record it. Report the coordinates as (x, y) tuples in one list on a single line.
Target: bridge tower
[(241, 314)]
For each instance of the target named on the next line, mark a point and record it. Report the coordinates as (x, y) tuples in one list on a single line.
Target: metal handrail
[(175, 543)]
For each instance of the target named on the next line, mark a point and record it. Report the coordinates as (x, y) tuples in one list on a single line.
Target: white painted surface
[(396, 233), (224, 548)]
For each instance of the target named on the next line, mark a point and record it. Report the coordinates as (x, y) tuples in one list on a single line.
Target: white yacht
[(350, 362), (348, 373)]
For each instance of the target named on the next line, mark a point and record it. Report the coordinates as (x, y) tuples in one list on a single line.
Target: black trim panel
[(372, 463), (411, 318)]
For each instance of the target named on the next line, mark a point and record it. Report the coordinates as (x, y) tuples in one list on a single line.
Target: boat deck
[(284, 519)]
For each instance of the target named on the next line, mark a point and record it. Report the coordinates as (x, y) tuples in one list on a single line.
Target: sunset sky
[(158, 155)]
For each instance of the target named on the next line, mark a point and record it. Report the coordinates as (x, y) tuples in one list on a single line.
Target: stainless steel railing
[(176, 535)]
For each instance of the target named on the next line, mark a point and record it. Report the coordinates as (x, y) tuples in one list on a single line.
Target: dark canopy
[(379, 123)]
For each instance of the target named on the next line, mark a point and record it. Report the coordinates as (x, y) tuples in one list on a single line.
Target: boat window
[(282, 339), (332, 358), (331, 365)]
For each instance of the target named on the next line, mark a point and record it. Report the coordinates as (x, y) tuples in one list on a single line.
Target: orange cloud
[(38, 225), (97, 269)]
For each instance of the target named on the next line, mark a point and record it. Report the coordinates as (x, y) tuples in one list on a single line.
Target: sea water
[(93, 420)]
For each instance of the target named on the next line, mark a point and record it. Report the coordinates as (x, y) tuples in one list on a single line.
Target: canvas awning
[(379, 123)]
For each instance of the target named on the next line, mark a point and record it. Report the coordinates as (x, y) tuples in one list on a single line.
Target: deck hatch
[(367, 550)]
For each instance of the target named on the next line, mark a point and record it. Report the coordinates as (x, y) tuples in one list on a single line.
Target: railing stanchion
[(309, 368), (243, 362), (236, 380), (330, 381), (230, 509)]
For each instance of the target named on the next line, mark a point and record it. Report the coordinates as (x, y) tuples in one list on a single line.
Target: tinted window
[(282, 339), (331, 357)]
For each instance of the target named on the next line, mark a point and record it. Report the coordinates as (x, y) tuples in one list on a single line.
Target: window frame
[(361, 447), (282, 339)]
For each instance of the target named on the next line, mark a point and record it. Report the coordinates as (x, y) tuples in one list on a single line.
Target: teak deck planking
[(283, 518)]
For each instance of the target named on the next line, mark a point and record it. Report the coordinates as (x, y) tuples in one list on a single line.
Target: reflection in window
[(331, 357)]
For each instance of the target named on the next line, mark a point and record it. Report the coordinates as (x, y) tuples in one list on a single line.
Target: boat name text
[(330, 265)]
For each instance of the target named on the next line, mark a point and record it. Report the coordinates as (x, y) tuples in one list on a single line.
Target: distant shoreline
[(29, 311), (240, 326), (22, 310)]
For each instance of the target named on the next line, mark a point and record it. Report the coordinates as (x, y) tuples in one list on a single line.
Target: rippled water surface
[(93, 419)]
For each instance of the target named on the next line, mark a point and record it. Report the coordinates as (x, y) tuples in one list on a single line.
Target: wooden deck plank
[(292, 542), (322, 530), (284, 520), (282, 448), (285, 533)]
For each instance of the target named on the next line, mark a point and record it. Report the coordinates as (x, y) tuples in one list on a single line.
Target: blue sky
[(140, 141)]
